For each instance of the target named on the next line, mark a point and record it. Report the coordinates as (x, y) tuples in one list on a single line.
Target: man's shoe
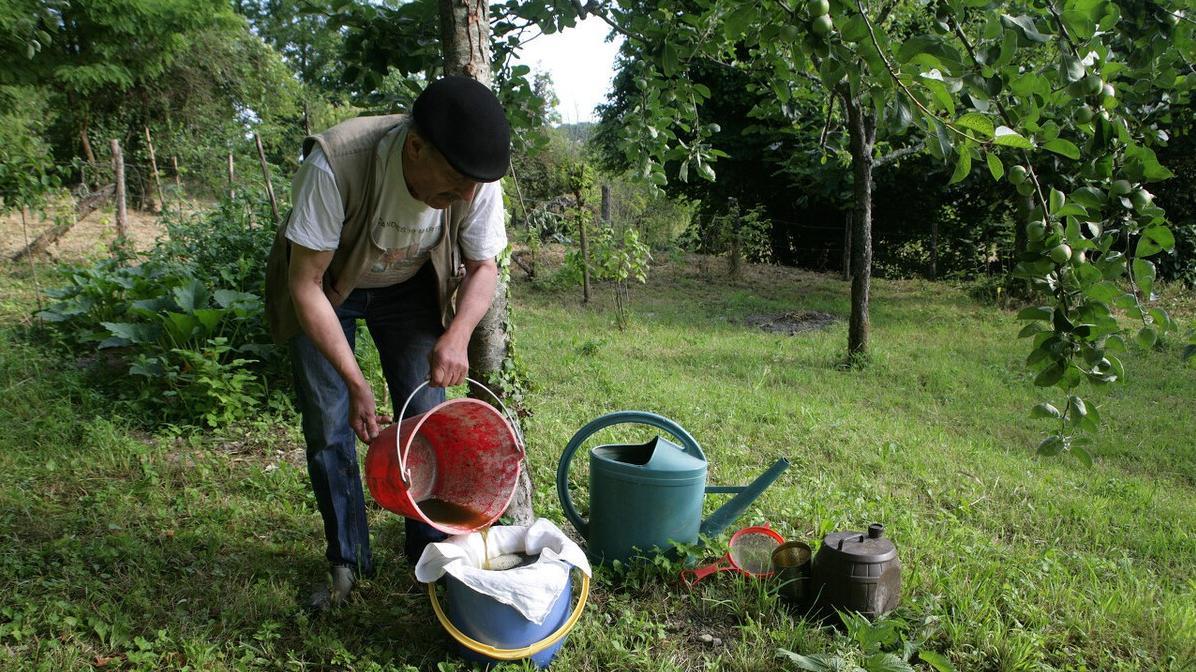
[(334, 594)]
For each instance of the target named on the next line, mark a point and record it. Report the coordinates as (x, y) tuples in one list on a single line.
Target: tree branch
[(830, 111), (899, 154), (893, 74), (1005, 116), (1063, 30)]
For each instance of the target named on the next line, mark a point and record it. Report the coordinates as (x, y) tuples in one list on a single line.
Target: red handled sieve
[(749, 552)]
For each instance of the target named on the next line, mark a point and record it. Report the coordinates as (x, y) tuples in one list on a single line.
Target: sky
[(580, 64)]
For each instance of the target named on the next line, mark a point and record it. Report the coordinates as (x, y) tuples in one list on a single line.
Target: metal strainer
[(749, 552)]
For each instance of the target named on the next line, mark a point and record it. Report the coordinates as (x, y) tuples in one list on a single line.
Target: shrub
[(180, 336)]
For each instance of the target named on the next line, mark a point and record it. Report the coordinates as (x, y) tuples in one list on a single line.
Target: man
[(393, 218)]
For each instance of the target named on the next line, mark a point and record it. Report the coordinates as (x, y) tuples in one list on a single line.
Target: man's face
[(430, 178)]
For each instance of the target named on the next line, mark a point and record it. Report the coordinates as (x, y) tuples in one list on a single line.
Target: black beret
[(465, 122)]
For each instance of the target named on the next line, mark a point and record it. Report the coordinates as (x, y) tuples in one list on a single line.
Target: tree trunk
[(465, 38), (83, 208), (862, 129), (606, 204), (847, 246), (934, 249), (465, 43)]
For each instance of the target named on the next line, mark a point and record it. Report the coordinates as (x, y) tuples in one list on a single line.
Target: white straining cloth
[(532, 589)]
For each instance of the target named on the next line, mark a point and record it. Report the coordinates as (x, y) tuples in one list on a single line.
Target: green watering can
[(648, 495)]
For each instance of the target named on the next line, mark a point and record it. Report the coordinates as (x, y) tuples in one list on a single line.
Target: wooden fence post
[(122, 214), (261, 155), (232, 192), (154, 169)]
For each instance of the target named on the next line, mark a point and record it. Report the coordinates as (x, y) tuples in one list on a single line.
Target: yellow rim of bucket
[(511, 654)]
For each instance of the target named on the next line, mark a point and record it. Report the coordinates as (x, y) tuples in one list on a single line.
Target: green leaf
[(994, 165), (1081, 26), (853, 29), (1031, 329), (976, 122), (819, 662), (1076, 409), (963, 165), (941, 94), (1072, 68), (739, 20), (936, 660), (1007, 137), (1081, 454), (1147, 336), (1025, 27), (1089, 197), (1154, 239), (1189, 352), (886, 662), (1144, 274), (1063, 148), (1141, 162), (133, 332), (1056, 200), (1050, 375), (1045, 410), (1051, 446), (670, 63), (1036, 313)]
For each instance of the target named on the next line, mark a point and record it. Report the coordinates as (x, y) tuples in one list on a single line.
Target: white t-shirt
[(405, 228)]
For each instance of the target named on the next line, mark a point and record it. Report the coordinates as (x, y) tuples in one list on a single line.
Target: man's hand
[(448, 363), (363, 414)]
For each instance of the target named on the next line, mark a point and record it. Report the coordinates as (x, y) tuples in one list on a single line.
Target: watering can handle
[(688, 444), (403, 471)]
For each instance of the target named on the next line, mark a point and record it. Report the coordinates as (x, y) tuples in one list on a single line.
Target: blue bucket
[(489, 631)]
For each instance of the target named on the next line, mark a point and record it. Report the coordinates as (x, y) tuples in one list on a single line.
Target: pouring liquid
[(450, 513)]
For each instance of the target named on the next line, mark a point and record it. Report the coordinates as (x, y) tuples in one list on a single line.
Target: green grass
[(177, 549)]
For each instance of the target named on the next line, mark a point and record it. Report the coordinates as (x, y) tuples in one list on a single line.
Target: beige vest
[(349, 148)]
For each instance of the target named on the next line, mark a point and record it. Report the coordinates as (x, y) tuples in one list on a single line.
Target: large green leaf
[(1078, 24), (1063, 147), (1045, 410), (1154, 239), (886, 662), (1007, 137), (936, 660), (995, 167), (1025, 27), (738, 21), (133, 332), (1050, 375), (1050, 446), (977, 122), (1144, 274), (1071, 68), (963, 165), (1143, 164)]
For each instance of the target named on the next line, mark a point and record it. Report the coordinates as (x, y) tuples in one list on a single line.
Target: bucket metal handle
[(404, 472), (511, 654)]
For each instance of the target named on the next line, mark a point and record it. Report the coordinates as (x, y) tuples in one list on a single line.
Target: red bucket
[(454, 467)]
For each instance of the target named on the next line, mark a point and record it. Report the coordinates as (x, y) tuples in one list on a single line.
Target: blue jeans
[(404, 321)]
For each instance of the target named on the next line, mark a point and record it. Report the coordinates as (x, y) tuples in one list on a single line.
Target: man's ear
[(415, 147)]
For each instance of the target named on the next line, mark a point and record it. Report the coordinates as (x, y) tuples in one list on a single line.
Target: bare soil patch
[(792, 323), (87, 239)]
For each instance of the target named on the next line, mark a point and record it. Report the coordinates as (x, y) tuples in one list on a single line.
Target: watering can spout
[(727, 513)]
